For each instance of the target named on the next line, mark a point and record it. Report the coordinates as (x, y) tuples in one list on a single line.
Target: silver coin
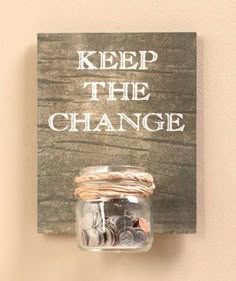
[(128, 228), (126, 238), (113, 219), (114, 237), (108, 237), (131, 214), (87, 221), (111, 222), (111, 226), (93, 237), (101, 237), (83, 238), (124, 221), (140, 236), (96, 219)]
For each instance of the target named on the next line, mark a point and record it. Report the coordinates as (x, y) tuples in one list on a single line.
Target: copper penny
[(144, 225)]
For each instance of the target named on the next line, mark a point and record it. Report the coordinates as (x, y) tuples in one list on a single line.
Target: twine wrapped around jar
[(114, 184)]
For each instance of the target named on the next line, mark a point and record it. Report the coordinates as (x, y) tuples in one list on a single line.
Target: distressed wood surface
[(169, 156)]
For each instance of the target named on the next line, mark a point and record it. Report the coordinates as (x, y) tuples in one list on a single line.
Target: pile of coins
[(118, 231)]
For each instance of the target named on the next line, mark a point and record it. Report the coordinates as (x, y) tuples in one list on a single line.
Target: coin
[(113, 219), (131, 214), (140, 236), (136, 222), (108, 237), (144, 225), (111, 222), (93, 237), (83, 238), (87, 221), (97, 220), (126, 238), (124, 221), (101, 237), (126, 228), (115, 237)]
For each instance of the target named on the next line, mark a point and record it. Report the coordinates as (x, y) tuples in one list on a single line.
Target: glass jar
[(113, 212)]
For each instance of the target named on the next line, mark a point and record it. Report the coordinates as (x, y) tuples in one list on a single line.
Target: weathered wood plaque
[(117, 99)]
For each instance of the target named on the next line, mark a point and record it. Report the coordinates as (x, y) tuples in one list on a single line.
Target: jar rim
[(110, 168)]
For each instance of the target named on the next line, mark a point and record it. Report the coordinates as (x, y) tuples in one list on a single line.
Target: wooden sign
[(117, 99)]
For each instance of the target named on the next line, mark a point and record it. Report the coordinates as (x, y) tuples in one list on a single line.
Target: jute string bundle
[(114, 184)]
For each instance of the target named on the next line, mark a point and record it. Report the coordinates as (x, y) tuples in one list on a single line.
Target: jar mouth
[(112, 181), (113, 168)]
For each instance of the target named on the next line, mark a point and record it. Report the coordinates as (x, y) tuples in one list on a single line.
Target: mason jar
[(113, 212)]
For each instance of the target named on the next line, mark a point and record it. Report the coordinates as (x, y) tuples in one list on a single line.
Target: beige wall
[(209, 255)]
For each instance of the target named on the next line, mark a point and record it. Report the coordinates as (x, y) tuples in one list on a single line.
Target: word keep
[(116, 60)]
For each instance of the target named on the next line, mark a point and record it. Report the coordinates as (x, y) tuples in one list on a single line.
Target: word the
[(122, 89)]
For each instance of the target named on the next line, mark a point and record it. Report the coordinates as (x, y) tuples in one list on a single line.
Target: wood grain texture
[(169, 156)]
